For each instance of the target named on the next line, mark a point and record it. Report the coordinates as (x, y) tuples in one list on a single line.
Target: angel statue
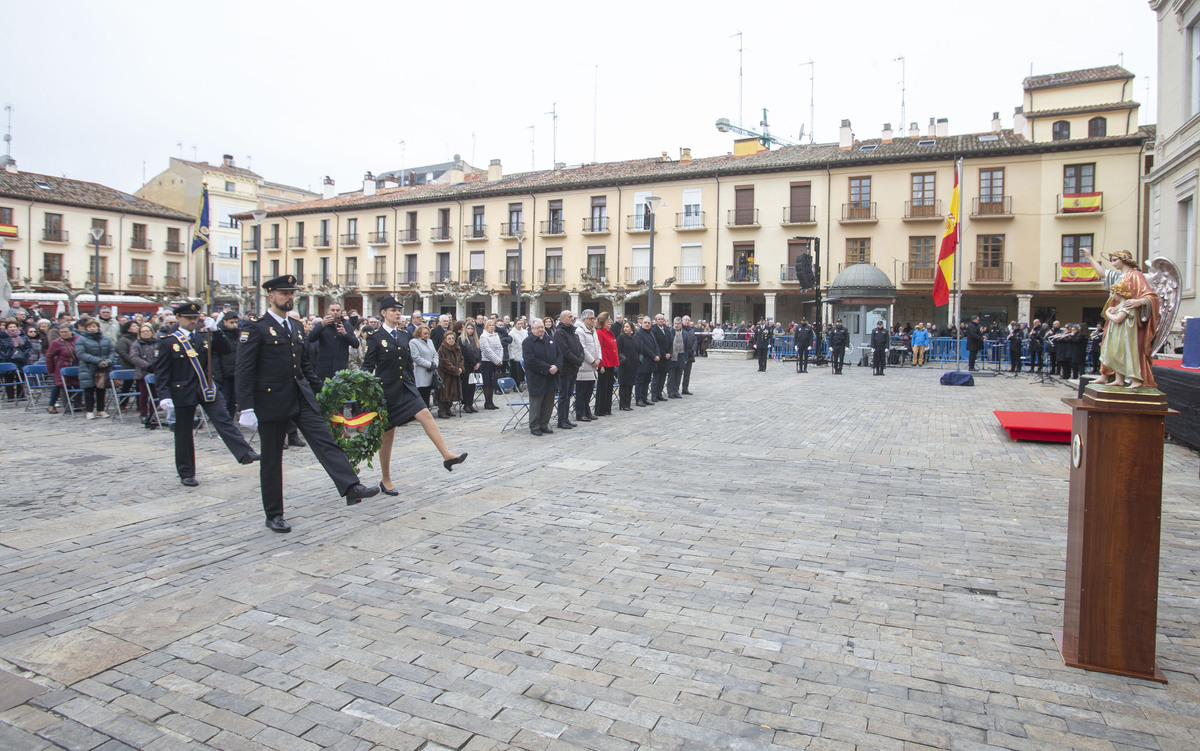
[(1140, 312)]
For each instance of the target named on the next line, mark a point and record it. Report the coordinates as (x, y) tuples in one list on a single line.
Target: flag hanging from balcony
[(1073, 203), (1077, 272), (945, 265), (200, 238)]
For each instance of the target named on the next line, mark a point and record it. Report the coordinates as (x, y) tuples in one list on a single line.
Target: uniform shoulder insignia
[(245, 335)]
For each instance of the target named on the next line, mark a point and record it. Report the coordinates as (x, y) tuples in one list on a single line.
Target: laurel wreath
[(366, 392)]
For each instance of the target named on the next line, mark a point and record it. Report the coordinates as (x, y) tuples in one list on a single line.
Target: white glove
[(248, 419)]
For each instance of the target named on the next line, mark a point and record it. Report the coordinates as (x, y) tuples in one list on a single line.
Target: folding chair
[(126, 376), (519, 407), (69, 394), (11, 378), (161, 418), (37, 380)]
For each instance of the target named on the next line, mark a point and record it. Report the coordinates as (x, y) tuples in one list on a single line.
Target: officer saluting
[(276, 379), (183, 371)]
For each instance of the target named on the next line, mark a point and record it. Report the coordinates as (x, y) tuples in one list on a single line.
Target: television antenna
[(765, 137)]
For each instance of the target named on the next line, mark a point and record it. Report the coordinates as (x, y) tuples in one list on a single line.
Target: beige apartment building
[(729, 228), (46, 225), (1173, 181), (231, 190)]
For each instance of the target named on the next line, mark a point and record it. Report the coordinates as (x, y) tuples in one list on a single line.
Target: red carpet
[(1177, 364), (1036, 426)]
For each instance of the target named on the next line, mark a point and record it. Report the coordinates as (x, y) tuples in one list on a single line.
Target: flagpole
[(957, 308)]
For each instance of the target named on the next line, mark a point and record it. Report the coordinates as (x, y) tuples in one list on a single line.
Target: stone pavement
[(780, 561)]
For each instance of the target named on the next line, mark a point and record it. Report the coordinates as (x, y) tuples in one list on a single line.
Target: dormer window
[(1097, 127), (1060, 131)]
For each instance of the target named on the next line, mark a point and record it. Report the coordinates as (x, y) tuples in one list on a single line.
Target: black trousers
[(879, 360), (802, 356), (320, 440), (541, 407), (660, 379), (837, 356), (1035, 357), (642, 386), (762, 358), (604, 392), (1014, 361), (971, 355), (566, 387), (624, 392), (583, 398), (227, 390), (674, 376), (687, 375), (516, 371), (218, 416)]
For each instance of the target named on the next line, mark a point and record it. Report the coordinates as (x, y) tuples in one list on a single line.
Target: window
[(691, 264), (989, 258), (598, 221), (690, 217), (323, 272), (351, 237), (410, 269), (1060, 131), (298, 242), (323, 234), (52, 268), (1185, 255), (380, 273), (230, 187), (139, 239), (98, 266), (443, 266), (6, 255), (298, 268), (640, 269), (478, 222), (860, 198), (273, 240), (641, 211), (173, 243), (1097, 127), (274, 268), (920, 259), (554, 266), (1079, 178), (352, 272), (858, 250), (743, 205), (923, 194), (1072, 245), (800, 202), (137, 272), (443, 225), (53, 231), (173, 272), (512, 267), (1193, 67), (380, 224), (991, 191), (595, 261), (744, 267), (554, 225), (6, 215), (478, 273), (516, 223), (102, 225)]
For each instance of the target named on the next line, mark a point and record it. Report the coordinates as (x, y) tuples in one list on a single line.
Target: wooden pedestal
[(1111, 608)]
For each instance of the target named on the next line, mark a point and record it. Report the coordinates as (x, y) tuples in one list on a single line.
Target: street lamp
[(652, 207), (520, 235), (96, 233), (259, 215)]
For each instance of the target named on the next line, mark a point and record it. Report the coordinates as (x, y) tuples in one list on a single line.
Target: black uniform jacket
[(391, 361), (273, 371), (539, 355), (173, 373)]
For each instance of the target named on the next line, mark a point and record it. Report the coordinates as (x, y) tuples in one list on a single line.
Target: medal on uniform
[(207, 389), (272, 330), (175, 347), (383, 343)]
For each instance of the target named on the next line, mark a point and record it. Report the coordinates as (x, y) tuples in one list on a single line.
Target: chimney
[(457, 174), (1019, 121), (227, 160), (932, 128), (845, 136), (389, 181), (495, 171), (914, 131), (563, 165), (943, 127), (327, 189), (368, 184), (995, 122), (887, 132), (685, 154), (666, 157), (10, 164)]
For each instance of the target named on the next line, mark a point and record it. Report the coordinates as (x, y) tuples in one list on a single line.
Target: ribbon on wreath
[(357, 422)]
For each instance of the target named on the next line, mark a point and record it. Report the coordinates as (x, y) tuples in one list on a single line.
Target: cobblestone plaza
[(780, 561)]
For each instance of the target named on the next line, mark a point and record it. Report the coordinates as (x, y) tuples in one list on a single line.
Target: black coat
[(629, 357), (648, 347), (174, 376), (663, 337), (804, 338), (225, 362), (392, 363), (539, 355), (839, 338), (333, 349), (974, 337), (880, 339), (436, 335), (764, 336), (274, 371), (470, 352), (569, 346)]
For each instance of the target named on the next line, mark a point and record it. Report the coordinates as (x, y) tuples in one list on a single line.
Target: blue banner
[(200, 238)]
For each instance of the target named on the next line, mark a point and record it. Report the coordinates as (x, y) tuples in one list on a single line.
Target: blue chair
[(519, 407), (126, 376), (11, 378), (37, 380), (163, 419), (69, 393)]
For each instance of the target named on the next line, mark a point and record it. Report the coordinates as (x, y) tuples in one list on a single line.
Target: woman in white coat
[(585, 380), (518, 332), (492, 351), (425, 361)]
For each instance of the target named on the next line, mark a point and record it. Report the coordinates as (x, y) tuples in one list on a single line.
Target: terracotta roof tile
[(1076, 77), (67, 192), (1082, 110), (221, 168)]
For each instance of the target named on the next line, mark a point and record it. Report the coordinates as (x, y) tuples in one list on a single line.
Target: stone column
[(770, 300), (716, 306), (313, 301), (426, 303), (619, 309), (460, 310), (366, 306), (1023, 308), (574, 302), (531, 308), (664, 306), (496, 305)]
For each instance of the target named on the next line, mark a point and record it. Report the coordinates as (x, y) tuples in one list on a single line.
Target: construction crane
[(765, 138)]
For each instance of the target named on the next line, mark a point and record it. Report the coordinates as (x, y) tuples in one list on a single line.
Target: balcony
[(377, 280), (173, 283), (439, 277), (595, 225), (917, 273), (173, 246), (53, 275), (787, 273), (992, 207), (859, 211), (322, 241), (350, 240), (440, 235), (139, 243), (296, 243), (408, 236), (510, 229), (1080, 204), (377, 238), (550, 277), (55, 236), (635, 274), (141, 280), (105, 241), (551, 227), (637, 222), (271, 243), (600, 272), (798, 215), (14, 274), (742, 273), (475, 276), (475, 232), (689, 222), (742, 218), (1068, 274), (991, 273), (320, 280), (923, 209), (348, 280), (406, 278), (248, 281), (506, 277), (106, 280), (689, 275)]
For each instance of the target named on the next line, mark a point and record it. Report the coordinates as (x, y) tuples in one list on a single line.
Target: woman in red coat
[(60, 355), (608, 366)]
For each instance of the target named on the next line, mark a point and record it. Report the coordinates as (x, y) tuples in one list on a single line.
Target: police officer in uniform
[(275, 378), (804, 340), (880, 339), (183, 371), (839, 339), (764, 336)]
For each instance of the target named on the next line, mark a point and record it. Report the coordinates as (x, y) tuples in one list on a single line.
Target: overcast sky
[(307, 89)]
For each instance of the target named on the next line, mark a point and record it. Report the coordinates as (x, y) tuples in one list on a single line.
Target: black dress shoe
[(626, 409), (490, 406), (358, 491), (296, 442), (564, 426), (536, 431), (585, 418), (277, 524), (546, 429), (250, 458), (385, 491), (688, 393), (449, 463), (572, 424), (190, 482)]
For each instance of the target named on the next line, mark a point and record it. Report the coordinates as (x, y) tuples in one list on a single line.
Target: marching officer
[(880, 339), (764, 337), (275, 378), (804, 340), (839, 339), (183, 371)]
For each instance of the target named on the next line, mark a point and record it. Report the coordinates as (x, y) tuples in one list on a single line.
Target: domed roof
[(862, 280)]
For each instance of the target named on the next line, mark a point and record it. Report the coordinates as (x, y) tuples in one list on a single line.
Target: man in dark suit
[(542, 364), (839, 339), (276, 379), (183, 372), (570, 351), (651, 356), (880, 339), (662, 337), (974, 342), (804, 340), (333, 336), (691, 346), (764, 337)]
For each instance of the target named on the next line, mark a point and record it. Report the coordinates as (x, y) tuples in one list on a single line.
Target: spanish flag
[(1077, 203), (1077, 272), (945, 264)]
